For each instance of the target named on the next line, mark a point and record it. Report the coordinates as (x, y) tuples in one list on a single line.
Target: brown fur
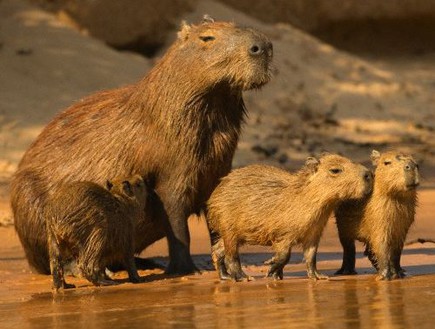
[(94, 226), (178, 128), (381, 220), (268, 206)]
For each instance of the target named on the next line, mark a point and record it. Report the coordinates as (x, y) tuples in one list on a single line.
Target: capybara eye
[(206, 38), (387, 163), (335, 171)]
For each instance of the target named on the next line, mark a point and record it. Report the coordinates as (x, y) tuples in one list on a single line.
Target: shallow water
[(202, 301)]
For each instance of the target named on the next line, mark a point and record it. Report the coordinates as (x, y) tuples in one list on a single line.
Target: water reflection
[(349, 302)]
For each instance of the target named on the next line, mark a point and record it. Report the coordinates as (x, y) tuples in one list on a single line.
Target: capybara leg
[(90, 265), (218, 257), (232, 261), (177, 233), (56, 265), (371, 256), (399, 272), (234, 270), (278, 261), (310, 253), (386, 267), (348, 265), (133, 276)]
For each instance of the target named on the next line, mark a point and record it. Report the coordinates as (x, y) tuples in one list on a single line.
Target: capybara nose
[(410, 166), (261, 47)]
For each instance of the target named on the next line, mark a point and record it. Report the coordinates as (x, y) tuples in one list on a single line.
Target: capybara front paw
[(346, 271), (240, 276), (385, 274), (391, 275), (181, 267), (317, 276)]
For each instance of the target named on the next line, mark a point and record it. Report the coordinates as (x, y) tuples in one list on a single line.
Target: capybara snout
[(412, 177), (249, 51), (261, 47)]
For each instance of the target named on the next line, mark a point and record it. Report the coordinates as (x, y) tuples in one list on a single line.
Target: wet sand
[(199, 301)]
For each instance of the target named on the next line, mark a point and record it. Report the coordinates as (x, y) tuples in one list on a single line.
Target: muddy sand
[(201, 300)]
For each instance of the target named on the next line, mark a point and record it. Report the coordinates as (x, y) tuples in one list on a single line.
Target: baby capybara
[(382, 219), (94, 226), (178, 128), (268, 206)]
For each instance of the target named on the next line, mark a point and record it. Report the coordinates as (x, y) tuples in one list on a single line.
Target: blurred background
[(350, 76)]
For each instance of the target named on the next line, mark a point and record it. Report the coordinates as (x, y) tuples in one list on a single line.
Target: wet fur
[(178, 128), (267, 206), (381, 220), (93, 226)]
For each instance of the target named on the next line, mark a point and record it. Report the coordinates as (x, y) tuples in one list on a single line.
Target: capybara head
[(339, 176), (132, 188), (395, 172), (217, 52)]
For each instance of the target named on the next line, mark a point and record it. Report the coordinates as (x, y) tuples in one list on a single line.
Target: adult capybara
[(268, 206), (94, 226), (178, 128), (382, 219)]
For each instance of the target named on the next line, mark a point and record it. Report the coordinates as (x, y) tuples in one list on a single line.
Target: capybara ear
[(126, 186), (109, 185), (206, 19), (184, 31), (375, 157), (312, 163)]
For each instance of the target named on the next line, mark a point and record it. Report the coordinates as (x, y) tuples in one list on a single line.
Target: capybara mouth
[(412, 186), (262, 78)]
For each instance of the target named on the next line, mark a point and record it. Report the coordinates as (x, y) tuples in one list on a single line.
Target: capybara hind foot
[(134, 277), (147, 264), (276, 274), (105, 282)]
